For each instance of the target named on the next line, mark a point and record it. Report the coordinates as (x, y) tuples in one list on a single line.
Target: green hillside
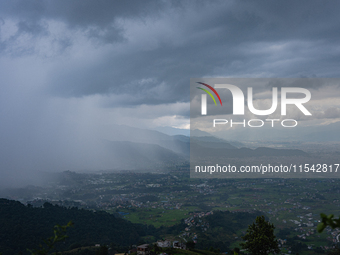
[(24, 227)]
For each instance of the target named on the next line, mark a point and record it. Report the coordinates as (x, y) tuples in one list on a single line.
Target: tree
[(333, 223), (328, 221), (212, 249), (190, 245), (236, 251), (260, 238), (156, 248), (59, 235), (103, 250)]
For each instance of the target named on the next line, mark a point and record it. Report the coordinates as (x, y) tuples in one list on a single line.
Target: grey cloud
[(329, 113), (166, 76), (108, 35), (226, 39), (35, 28), (332, 112), (312, 83), (96, 18), (235, 21), (74, 13), (234, 38)]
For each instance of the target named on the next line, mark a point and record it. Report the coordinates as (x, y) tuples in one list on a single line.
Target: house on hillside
[(178, 245), (164, 243), (143, 249)]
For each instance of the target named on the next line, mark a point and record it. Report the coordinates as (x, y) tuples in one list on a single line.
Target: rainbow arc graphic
[(209, 93)]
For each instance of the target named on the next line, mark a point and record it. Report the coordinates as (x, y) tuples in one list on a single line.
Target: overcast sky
[(70, 68)]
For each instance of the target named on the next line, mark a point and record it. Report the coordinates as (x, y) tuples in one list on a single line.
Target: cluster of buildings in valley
[(280, 199), (195, 221), (145, 249)]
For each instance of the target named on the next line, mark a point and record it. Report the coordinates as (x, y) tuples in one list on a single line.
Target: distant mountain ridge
[(200, 151), (134, 148), (311, 133), (142, 155)]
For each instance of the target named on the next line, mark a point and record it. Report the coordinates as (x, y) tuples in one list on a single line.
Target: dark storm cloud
[(220, 38), (97, 18), (147, 76), (303, 82), (285, 39)]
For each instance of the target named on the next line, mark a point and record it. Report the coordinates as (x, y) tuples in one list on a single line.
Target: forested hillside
[(224, 229), (24, 227)]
